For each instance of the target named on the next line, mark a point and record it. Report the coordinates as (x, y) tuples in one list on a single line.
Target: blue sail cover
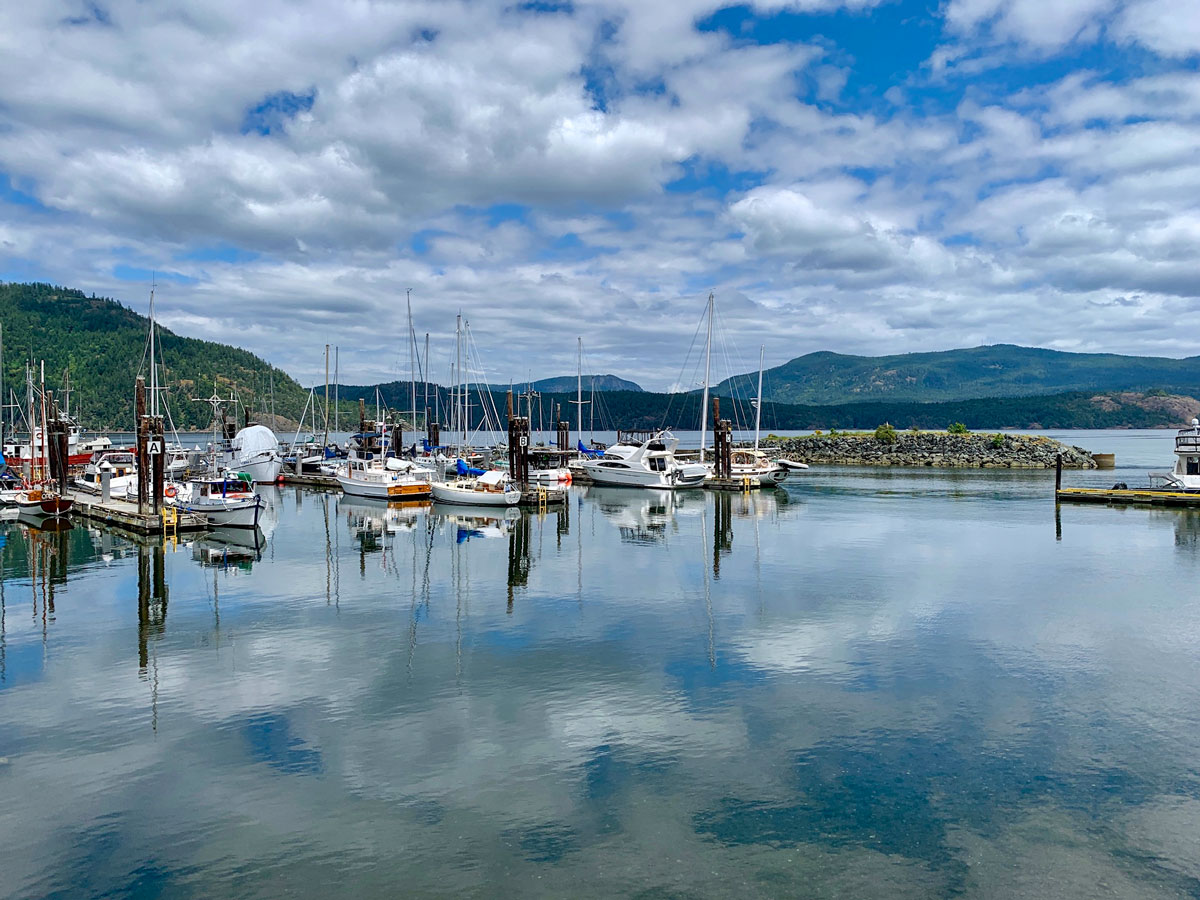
[(588, 452), (464, 469)]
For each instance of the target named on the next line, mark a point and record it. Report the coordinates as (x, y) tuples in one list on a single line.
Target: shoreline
[(999, 450)]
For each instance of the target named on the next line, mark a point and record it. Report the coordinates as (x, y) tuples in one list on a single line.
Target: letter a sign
[(154, 448)]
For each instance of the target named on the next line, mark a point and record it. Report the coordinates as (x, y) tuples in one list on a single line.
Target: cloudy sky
[(863, 176)]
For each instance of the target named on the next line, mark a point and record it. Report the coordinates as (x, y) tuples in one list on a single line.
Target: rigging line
[(679, 382)]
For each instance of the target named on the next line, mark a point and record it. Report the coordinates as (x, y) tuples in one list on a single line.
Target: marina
[(482, 686)]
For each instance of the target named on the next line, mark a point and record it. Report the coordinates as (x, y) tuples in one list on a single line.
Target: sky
[(866, 176)]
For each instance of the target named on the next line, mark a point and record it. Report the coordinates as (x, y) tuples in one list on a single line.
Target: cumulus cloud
[(596, 170)]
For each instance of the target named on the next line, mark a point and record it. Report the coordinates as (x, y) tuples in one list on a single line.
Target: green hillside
[(102, 342), (1000, 370)]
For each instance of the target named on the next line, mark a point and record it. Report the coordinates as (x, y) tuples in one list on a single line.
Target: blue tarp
[(464, 469), (588, 452)]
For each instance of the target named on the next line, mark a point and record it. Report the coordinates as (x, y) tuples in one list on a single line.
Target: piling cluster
[(930, 448)]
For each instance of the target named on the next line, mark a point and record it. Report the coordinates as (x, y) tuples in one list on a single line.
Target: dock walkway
[(125, 514), (1128, 496)]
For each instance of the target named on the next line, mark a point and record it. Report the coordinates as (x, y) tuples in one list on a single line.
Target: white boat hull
[(230, 514), (384, 490), (691, 475), (261, 471), (469, 496)]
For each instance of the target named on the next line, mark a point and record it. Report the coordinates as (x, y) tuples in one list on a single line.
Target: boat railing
[(1187, 442)]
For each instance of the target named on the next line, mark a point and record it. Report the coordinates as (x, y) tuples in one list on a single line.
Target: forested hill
[(102, 343), (1000, 370), (398, 394)]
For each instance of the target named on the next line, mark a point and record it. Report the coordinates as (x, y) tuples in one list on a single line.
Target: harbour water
[(871, 683)]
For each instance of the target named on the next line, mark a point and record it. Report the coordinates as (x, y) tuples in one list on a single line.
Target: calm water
[(870, 684)]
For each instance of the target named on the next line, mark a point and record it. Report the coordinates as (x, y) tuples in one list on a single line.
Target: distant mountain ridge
[(398, 394), (997, 370)]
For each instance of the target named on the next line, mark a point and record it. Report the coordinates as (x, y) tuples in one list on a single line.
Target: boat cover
[(464, 469), (256, 439)]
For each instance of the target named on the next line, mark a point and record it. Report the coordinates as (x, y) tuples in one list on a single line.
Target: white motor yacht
[(1185, 476), (754, 468), (649, 465)]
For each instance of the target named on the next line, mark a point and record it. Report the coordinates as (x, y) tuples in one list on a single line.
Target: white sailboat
[(489, 489)]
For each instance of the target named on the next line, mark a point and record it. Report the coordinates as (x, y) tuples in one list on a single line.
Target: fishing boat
[(224, 501), (42, 502), (255, 451), (380, 479), (489, 489), (651, 464)]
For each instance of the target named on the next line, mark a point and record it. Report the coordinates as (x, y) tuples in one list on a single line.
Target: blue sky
[(866, 177)]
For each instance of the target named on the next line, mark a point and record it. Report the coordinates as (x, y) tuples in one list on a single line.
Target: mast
[(325, 439), (579, 391), (707, 360), (337, 381), (45, 448), (458, 399), (425, 378), (412, 358), (758, 400), (153, 366)]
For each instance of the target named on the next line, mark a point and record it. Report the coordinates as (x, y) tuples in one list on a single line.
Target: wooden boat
[(391, 479), (38, 501)]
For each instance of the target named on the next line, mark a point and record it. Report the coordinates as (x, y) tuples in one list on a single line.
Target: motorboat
[(492, 488), (1185, 476), (754, 468), (380, 479), (121, 464), (224, 501), (255, 451), (652, 464)]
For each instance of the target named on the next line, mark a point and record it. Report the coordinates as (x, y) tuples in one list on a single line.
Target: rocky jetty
[(932, 448)]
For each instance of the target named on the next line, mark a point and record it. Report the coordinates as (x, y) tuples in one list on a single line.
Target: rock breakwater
[(977, 451)]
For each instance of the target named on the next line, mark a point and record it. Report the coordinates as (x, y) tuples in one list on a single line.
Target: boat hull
[(382, 490), (465, 496), (688, 476), (231, 514)]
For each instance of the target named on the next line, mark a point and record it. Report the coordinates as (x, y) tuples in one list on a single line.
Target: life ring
[(169, 492)]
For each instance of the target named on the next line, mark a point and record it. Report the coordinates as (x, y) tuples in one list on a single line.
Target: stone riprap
[(975, 451)]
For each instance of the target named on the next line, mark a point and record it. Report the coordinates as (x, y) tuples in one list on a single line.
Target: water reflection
[(776, 694)]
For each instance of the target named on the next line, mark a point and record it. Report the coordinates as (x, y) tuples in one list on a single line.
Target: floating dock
[(543, 496), (1128, 497), (124, 514), (325, 482)]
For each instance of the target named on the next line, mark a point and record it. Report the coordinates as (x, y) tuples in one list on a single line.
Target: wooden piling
[(1057, 473)]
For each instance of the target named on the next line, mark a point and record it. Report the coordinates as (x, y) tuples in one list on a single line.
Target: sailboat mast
[(45, 448), (579, 391), (707, 361), (412, 359), (153, 367), (458, 396), (325, 439), (337, 381), (758, 400), (425, 378)]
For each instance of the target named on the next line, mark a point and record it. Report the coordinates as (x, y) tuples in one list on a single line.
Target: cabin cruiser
[(384, 479), (1186, 474), (754, 468), (80, 447), (121, 463), (255, 451), (652, 464)]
